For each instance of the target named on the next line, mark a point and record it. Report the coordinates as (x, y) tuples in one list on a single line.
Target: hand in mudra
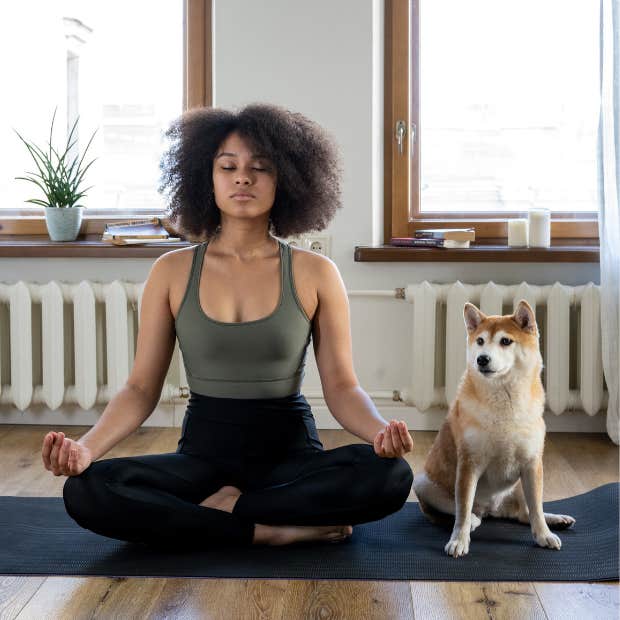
[(394, 440), (64, 456)]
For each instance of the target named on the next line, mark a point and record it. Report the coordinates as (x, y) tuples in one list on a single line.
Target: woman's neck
[(241, 248)]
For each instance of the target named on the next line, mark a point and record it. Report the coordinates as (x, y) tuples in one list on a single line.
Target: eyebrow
[(258, 156)]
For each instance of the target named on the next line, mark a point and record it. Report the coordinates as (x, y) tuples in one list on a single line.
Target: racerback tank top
[(264, 358)]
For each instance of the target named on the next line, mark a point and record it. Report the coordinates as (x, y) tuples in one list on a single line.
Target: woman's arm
[(135, 402), (331, 337), (137, 399), (125, 413)]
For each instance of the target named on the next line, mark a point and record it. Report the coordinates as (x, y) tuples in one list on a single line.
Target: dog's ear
[(524, 317), (473, 317)]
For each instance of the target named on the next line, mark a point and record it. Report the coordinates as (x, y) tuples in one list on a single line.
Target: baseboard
[(432, 419), (163, 415), (171, 415)]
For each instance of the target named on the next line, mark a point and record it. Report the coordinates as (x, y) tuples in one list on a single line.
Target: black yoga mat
[(37, 537)]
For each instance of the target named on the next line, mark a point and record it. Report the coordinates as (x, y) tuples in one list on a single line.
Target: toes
[(560, 522), (457, 547), (342, 534), (548, 539)]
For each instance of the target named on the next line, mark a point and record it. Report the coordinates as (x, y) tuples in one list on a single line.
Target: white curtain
[(608, 199)]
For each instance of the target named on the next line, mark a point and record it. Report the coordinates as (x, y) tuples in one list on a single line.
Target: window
[(127, 70), (483, 122)]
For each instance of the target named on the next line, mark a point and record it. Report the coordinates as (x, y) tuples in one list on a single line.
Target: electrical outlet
[(318, 243)]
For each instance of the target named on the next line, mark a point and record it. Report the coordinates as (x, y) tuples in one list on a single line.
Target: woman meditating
[(249, 467)]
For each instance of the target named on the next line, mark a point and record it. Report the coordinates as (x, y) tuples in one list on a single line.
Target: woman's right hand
[(64, 456)]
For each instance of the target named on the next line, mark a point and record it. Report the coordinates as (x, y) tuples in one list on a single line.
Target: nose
[(243, 177), (483, 360)]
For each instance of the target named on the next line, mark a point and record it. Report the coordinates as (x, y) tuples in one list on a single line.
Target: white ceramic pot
[(63, 223)]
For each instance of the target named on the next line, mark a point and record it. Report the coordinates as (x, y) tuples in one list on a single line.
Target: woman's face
[(237, 169)]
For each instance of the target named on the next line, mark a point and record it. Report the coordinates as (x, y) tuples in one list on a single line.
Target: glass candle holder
[(539, 220), (517, 232)]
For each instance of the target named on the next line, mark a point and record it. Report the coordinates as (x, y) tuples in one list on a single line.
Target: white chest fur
[(500, 450)]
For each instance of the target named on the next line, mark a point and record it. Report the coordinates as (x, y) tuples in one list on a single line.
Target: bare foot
[(226, 498), (287, 534)]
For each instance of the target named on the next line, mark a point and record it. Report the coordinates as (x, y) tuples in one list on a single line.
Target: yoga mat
[(37, 537)]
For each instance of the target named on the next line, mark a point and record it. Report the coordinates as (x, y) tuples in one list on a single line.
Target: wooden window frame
[(197, 92), (400, 15)]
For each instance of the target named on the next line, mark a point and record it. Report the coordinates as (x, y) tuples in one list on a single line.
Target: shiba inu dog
[(487, 458)]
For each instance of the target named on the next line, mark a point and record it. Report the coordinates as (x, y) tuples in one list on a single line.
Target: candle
[(517, 233), (540, 227)]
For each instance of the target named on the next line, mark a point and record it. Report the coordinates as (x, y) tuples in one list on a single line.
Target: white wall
[(324, 59)]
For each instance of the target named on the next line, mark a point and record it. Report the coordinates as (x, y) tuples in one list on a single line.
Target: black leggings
[(268, 448)]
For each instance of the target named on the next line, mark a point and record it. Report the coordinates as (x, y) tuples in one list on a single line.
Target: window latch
[(401, 128)]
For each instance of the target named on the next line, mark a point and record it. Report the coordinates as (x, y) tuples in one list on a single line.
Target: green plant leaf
[(32, 153), (59, 181), (51, 130), (33, 181)]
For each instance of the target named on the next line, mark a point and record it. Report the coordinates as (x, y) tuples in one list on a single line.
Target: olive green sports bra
[(264, 358)]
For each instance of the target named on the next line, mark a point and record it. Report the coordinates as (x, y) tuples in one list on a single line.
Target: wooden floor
[(573, 463)]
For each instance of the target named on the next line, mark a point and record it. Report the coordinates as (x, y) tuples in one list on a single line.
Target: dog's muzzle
[(483, 360), (483, 363)]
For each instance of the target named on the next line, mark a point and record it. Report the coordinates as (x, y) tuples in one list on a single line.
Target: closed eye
[(260, 169)]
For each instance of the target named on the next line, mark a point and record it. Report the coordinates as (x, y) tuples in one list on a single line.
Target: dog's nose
[(483, 360)]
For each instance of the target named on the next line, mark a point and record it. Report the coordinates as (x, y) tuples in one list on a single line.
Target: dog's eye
[(480, 341), (505, 342)]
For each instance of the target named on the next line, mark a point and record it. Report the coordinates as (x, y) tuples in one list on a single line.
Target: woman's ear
[(473, 317)]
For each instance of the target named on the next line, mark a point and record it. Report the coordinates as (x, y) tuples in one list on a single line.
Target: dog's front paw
[(560, 522), (547, 539), (458, 545)]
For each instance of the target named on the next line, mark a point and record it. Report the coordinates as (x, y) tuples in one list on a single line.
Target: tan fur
[(486, 459)]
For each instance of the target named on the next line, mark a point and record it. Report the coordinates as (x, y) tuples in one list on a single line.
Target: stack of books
[(132, 232), (438, 238)]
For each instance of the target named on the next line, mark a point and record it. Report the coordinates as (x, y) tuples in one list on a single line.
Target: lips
[(242, 195)]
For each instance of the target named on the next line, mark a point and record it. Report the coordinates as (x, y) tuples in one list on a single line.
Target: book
[(137, 240), (135, 229), (428, 242), (455, 234)]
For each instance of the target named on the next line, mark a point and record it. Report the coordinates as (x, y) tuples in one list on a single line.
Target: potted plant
[(60, 184)]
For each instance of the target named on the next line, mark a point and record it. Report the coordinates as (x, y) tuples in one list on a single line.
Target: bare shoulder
[(311, 261), (308, 268), (177, 257), (176, 262)]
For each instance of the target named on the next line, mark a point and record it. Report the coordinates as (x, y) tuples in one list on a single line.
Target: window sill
[(561, 251), (91, 246), (85, 246)]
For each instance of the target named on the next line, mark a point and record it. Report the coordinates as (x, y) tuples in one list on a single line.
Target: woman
[(249, 467)]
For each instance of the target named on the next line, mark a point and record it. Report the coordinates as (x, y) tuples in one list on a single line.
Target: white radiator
[(568, 319), (75, 343), (97, 344)]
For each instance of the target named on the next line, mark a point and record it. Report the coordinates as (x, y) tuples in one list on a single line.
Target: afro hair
[(305, 156)]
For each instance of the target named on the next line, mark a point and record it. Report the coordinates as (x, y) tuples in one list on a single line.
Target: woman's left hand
[(394, 440)]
